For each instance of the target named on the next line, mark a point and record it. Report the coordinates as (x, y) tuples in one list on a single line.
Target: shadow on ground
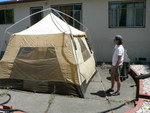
[(102, 93), (94, 101), (127, 93)]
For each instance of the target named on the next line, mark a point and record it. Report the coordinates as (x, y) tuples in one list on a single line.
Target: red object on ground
[(6, 106), (138, 106), (18, 112), (141, 85), (140, 100)]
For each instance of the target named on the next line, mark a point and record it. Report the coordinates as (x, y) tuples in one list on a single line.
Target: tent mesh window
[(84, 50), (35, 53), (37, 63)]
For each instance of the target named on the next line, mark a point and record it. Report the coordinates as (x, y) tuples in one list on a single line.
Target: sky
[(5, 0)]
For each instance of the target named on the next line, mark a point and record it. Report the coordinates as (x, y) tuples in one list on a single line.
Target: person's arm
[(117, 64), (118, 61)]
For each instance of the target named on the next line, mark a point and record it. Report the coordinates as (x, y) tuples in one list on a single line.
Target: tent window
[(85, 52), (37, 63), (35, 53)]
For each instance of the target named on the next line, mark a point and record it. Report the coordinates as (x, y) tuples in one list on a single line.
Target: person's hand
[(113, 70)]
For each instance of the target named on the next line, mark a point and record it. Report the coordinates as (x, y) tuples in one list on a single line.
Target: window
[(84, 50), (126, 14), (73, 10), (36, 53), (37, 63), (7, 16), (37, 17)]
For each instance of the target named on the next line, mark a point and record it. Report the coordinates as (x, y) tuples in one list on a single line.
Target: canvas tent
[(50, 56)]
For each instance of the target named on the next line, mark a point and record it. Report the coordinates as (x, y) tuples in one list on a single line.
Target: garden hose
[(8, 110)]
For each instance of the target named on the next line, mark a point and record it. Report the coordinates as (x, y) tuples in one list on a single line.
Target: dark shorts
[(118, 71)]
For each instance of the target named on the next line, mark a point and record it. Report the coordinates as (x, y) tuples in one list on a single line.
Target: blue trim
[(6, 0)]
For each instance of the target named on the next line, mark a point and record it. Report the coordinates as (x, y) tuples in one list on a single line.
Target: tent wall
[(64, 52), (85, 60), (47, 63)]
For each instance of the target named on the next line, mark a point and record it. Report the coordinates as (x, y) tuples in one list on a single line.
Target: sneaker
[(116, 93), (110, 90)]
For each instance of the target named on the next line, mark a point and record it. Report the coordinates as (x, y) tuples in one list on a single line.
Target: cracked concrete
[(94, 102)]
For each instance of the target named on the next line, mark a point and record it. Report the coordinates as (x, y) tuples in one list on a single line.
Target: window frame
[(41, 7), (134, 26), (72, 4), (5, 21)]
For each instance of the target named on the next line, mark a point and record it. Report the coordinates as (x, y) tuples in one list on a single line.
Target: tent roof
[(51, 24)]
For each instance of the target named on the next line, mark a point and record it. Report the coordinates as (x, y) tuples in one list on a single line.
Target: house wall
[(95, 17)]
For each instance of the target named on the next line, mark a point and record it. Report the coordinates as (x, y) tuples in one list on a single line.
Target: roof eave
[(19, 1)]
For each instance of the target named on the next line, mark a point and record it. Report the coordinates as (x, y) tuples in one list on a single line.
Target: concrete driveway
[(95, 100)]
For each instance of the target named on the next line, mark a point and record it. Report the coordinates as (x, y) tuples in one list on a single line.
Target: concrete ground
[(94, 102)]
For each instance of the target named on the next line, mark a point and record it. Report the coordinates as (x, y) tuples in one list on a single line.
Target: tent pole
[(57, 12), (48, 9), (71, 35)]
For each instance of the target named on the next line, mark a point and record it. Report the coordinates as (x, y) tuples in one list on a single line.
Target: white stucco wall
[(95, 17), (136, 40)]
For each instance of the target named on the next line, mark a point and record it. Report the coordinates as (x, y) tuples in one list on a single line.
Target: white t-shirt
[(118, 51)]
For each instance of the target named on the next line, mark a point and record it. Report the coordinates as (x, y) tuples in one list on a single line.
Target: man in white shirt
[(117, 62)]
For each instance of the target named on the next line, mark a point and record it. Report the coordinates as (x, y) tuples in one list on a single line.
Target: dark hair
[(119, 38), (120, 42)]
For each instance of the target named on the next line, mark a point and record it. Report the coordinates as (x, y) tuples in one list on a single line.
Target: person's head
[(118, 39)]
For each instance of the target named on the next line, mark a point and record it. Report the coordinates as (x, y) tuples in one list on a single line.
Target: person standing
[(117, 62)]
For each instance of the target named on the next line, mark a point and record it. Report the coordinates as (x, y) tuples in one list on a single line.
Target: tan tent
[(50, 56)]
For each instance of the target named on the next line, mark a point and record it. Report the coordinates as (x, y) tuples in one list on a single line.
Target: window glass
[(37, 17), (139, 17), (77, 15), (113, 5), (2, 17), (7, 16), (127, 14), (139, 5), (123, 14), (68, 10), (73, 10)]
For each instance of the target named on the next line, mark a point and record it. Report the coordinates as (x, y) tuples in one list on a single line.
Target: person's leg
[(112, 82), (117, 78), (118, 84)]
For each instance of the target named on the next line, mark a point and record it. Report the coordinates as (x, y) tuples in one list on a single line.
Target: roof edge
[(19, 1)]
